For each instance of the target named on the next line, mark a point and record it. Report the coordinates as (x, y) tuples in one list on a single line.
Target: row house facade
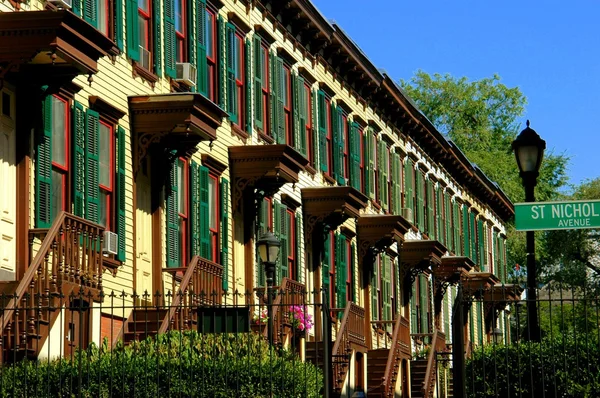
[(146, 145)]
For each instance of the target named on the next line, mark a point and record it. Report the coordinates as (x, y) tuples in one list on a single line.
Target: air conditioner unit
[(185, 73), (111, 243), (407, 213), (145, 58), (66, 4)]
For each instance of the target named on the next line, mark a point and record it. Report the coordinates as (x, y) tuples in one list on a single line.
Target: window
[(213, 215), (266, 103), (308, 126), (286, 85), (329, 138), (211, 53), (106, 174), (180, 31), (383, 289), (235, 75), (265, 223), (145, 27), (328, 268), (345, 169), (291, 242), (60, 155), (104, 20), (420, 309)]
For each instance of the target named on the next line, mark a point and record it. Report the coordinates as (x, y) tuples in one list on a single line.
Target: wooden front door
[(77, 326), (8, 170)]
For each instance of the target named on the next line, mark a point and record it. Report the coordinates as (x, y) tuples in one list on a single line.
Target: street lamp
[(268, 251), (497, 335), (529, 151)]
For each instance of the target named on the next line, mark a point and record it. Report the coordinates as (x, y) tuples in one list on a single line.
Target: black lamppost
[(529, 151), (268, 251)]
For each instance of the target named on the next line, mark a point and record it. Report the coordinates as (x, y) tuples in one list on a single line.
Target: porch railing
[(438, 344), (201, 284), (351, 332), (69, 257)]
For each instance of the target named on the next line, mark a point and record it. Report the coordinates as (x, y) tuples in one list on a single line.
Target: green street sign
[(573, 214)]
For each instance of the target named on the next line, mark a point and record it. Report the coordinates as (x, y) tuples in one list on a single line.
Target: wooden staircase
[(350, 336), (383, 364), (423, 372), (201, 284), (68, 265)]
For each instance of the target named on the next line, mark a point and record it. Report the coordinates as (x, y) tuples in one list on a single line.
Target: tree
[(573, 255), (482, 118)]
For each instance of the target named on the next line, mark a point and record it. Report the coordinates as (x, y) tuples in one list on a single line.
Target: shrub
[(184, 364), (557, 367)]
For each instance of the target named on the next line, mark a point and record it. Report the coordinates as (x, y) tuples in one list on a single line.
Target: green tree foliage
[(572, 255), (482, 118), (175, 364)]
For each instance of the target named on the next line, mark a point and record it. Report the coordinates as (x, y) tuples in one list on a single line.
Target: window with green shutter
[(92, 150), (375, 280), (208, 217), (448, 221), (120, 192), (259, 82), (439, 230), (473, 238), (420, 196), (386, 289), (414, 317), (201, 39), (300, 114), (278, 90), (170, 41), (281, 230), (172, 205), (195, 221), (338, 149), (456, 228), (466, 232), (423, 304), (231, 89), (355, 156), (409, 185), (224, 207), (221, 63), (430, 210), (132, 29), (298, 244), (369, 147), (326, 268), (382, 173), (322, 127), (341, 272), (44, 203), (481, 245), (396, 184), (79, 160)]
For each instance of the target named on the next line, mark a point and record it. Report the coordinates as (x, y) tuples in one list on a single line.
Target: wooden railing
[(438, 344), (351, 332), (289, 293), (69, 254), (201, 284), (400, 346)]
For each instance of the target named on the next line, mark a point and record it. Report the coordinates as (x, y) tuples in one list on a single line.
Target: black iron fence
[(501, 359), (153, 345)]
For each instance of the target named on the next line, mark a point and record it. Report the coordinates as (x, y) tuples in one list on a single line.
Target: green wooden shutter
[(473, 240), (339, 144), (195, 208), (133, 40), (92, 166), (120, 192), (446, 316), (456, 228), (118, 26), (300, 114), (448, 212), (156, 5), (90, 12), (409, 182), (325, 264), (248, 83), (170, 40), (231, 56), (480, 323), (396, 188), (383, 174), (281, 232), (322, 118), (192, 36), (173, 244), (79, 177), (423, 304), (369, 163), (340, 272), (258, 83), (374, 292), (315, 128), (272, 97), (354, 149), (438, 214), (420, 201), (77, 7), (386, 279), (224, 191), (222, 62), (279, 103), (205, 241), (465, 226), (430, 210), (482, 238), (352, 265), (414, 326), (379, 155), (43, 169), (298, 244), (202, 66), (263, 223)]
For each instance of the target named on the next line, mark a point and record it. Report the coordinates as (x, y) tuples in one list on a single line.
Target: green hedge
[(177, 364), (558, 367)]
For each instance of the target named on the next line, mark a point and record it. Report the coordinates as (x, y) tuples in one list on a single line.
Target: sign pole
[(533, 325)]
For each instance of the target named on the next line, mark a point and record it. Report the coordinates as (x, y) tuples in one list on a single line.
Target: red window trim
[(240, 80), (287, 106), (292, 240), (328, 138), (308, 126), (264, 50), (184, 215), (147, 17), (110, 190), (215, 238), (181, 37), (212, 58)]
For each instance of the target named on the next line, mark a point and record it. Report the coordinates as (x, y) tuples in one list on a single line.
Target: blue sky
[(549, 49)]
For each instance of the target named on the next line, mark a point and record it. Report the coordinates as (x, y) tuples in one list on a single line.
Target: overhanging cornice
[(378, 232)]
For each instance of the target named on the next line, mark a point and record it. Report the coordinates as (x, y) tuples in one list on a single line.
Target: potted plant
[(259, 320)]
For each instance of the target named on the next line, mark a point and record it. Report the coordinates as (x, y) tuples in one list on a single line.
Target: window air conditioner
[(407, 213), (145, 58), (62, 4), (185, 73), (111, 243)]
